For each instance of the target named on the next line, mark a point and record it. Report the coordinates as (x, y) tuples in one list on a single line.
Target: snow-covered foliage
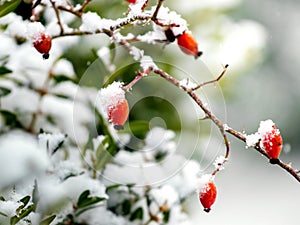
[(60, 160)]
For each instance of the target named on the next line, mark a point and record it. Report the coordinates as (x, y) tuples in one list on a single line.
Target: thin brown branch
[(286, 167), (212, 81), (207, 112), (159, 4), (57, 16)]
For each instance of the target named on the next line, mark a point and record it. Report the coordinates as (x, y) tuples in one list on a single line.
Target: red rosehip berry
[(208, 195), (188, 44), (42, 44), (118, 113), (131, 1), (271, 142)]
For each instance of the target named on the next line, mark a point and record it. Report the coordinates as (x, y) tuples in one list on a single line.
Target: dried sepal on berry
[(207, 192), (188, 44), (114, 104), (271, 140)]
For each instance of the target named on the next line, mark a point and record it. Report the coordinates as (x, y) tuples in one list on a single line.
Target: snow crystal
[(51, 142), (111, 95), (187, 83), (252, 139), (219, 162), (20, 158)]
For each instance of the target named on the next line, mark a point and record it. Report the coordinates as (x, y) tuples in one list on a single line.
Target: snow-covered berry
[(188, 44), (208, 195), (271, 140), (42, 43), (118, 113), (114, 104)]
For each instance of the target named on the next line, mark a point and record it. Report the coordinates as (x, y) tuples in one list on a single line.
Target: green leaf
[(25, 212), (166, 216), (64, 78), (10, 118), (47, 220), (4, 91), (8, 6), (2, 198), (25, 201), (126, 207), (137, 214), (112, 48), (84, 199), (4, 70), (35, 193)]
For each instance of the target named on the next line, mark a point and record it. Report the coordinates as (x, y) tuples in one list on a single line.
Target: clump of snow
[(265, 127), (219, 162), (63, 67), (167, 17), (9, 207), (51, 142), (252, 139), (136, 53), (111, 95), (147, 62), (203, 180), (92, 22), (187, 83), (165, 195), (20, 158), (34, 29)]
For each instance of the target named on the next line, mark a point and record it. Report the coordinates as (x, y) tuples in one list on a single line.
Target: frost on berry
[(114, 104), (271, 140), (207, 192), (42, 44)]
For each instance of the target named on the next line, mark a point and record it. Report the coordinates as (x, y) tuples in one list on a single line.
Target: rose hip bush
[(73, 148)]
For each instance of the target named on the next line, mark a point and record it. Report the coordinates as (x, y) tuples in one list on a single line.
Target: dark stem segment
[(159, 4)]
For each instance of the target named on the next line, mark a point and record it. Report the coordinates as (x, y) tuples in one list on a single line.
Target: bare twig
[(212, 81), (57, 16), (159, 4)]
